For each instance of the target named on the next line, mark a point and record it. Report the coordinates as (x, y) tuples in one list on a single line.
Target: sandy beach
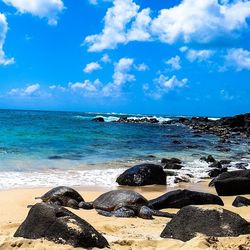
[(121, 233)]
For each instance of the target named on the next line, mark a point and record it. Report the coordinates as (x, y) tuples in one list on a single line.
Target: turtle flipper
[(124, 212), (105, 213), (120, 212), (161, 214), (85, 205)]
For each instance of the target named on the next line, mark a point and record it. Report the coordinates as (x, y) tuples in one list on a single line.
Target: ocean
[(40, 148)]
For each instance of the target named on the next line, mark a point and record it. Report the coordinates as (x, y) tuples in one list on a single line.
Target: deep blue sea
[(39, 148)]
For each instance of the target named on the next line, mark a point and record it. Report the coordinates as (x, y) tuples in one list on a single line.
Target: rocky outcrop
[(141, 175), (58, 224), (98, 119), (241, 201), (191, 220)]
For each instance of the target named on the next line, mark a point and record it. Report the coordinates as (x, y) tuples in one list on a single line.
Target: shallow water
[(51, 148)]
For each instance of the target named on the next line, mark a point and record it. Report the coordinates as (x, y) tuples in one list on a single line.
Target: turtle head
[(145, 213)]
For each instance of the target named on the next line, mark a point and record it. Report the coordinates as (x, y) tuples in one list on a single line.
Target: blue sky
[(187, 57)]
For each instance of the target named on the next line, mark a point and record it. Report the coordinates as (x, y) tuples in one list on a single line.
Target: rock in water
[(191, 220), (141, 175), (241, 202), (58, 224), (98, 119), (180, 198)]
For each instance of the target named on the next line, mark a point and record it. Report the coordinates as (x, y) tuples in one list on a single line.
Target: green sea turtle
[(65, 196), (125, 203)]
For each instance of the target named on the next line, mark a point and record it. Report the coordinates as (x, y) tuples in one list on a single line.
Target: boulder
[(143, 174), (241, 201), (232, 186), (180, 198), (173, 166), (215, 164), (182, 178), (171, 160), (208, 159), (191, 220), (55, 223), (232, 174), (216, 171), (98, 119)]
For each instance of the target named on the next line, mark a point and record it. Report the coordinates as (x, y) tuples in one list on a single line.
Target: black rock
[(176, 142), (58, 224), (241, 201), (225, 162), (208, 159), (233, 186), (171, 160), (232, 174), (180, 198), (141, 175), (172, 166), (98, 119), (241, 165), (216, 171), (215, 164), (191, 220)]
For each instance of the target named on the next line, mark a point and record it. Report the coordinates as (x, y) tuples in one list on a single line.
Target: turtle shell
[(110, 200), (62, 192)]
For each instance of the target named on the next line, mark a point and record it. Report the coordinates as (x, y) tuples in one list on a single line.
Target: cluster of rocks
[(224, 127), (50, 220), (137, 120)]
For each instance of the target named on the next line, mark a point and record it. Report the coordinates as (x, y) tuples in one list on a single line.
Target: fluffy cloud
[(121, 72), (105, 58), (190, 21), (197, 55), (87, 87), (141, 67), (238, 58), (116, 22), (90, 67), (3, 31), (42, 8), (163, 84), (30, 90), (174, 63)]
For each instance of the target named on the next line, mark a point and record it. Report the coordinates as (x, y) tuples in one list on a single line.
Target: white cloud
[(57, 87), (3, 31), (42, 8), (105, 58), (142, 67), (86, 88), (30, 90), (174, 63), (122, 24), (192, 20), (121, 70), (198, 55), (90, 67), (166, 83), (163, 84), (200, 21), (238, 58)]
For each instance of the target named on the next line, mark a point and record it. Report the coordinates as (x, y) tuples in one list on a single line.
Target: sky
[(172, 57)]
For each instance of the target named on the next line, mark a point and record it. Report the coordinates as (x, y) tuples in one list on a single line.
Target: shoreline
[(122, 233)]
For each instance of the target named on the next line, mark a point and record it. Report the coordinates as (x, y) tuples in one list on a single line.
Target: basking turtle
[(125, 203), (65, 196)]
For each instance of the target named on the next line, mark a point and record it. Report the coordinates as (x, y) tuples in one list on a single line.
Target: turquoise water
[(41, 142)]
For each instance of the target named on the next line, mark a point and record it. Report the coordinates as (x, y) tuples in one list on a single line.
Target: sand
[(121, 233)]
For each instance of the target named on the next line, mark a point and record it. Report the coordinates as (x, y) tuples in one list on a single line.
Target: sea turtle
[(65, 196), (125, 203)]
